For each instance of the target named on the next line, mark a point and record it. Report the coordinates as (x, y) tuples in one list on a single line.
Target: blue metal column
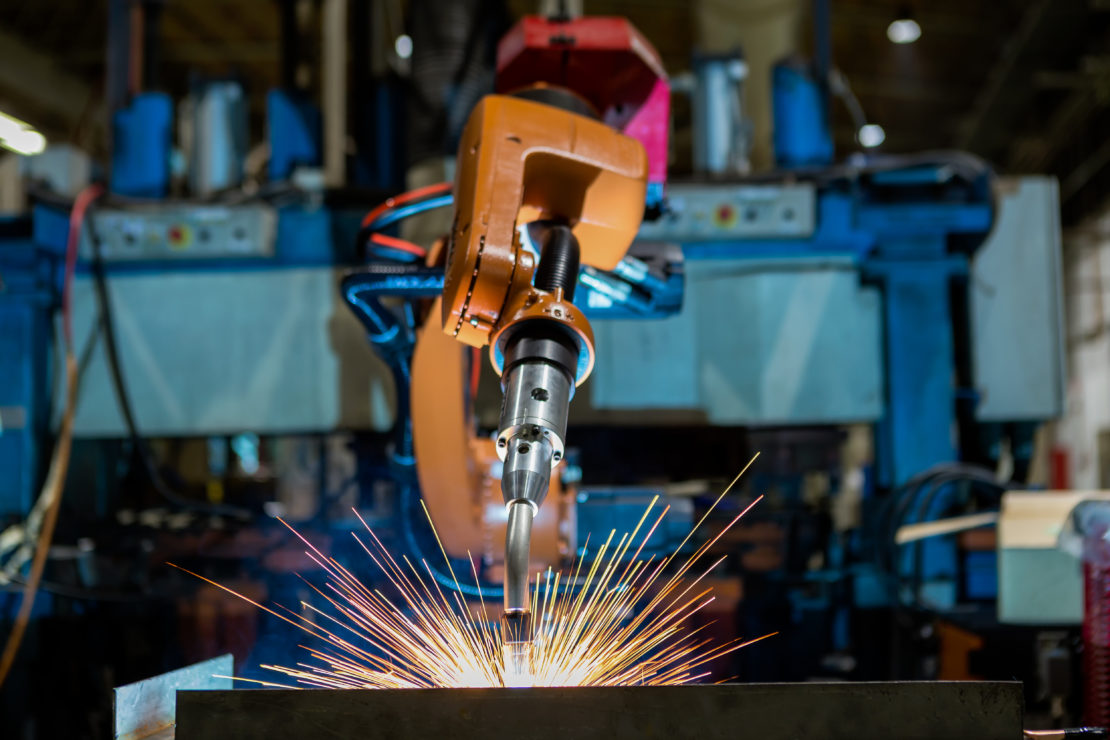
[(918, 426), (27, 302)]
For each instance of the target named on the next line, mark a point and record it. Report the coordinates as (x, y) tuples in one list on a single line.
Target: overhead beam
[(1089, 85), (1001, 73), (1035, 153), (190, 52), (942, 94)]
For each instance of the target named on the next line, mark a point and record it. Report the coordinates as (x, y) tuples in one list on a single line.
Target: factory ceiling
[(1024, 83)]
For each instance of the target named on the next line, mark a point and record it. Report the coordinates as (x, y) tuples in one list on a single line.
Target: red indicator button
[(725, 215)]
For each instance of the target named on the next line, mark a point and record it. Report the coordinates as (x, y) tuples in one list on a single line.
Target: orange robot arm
[(581, 185)]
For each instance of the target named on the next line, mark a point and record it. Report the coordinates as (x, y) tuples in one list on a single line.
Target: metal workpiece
[(518, 535), (536, 403), (815, 711), (146, 709)]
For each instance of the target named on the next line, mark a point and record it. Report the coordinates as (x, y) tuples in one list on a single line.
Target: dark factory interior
[(559, 368)]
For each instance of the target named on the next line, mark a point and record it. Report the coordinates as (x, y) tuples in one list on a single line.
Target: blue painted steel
[(981, 575), (600, 511), (802, 137), (901, 246), (918, 219), (293, 132), (917, 429), (28, 298), (379, 131), (141, 133), (305, 236)]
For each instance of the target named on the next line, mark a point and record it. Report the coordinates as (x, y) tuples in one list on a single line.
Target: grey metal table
[(804, 711)]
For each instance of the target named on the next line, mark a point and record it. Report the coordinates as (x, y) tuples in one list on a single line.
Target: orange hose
[(401, 244), (55, 480), (59, 462)]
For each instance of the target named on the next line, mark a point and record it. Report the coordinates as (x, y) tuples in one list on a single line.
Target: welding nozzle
[(534, 447), (518, 537), (516, 641)]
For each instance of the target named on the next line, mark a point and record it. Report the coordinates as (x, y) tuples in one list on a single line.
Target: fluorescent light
[(27, 141), (903, 31), (403, 46), (870, 135), (10, 126), (19, 137)]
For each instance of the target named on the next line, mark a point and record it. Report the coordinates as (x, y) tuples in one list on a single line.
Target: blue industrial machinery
[(802, 133), (142, 137), (293, 133), (28, 299), (899, 230)]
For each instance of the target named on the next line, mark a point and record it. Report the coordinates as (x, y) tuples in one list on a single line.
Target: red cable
[(81, 205), (400, 244), (397, 200)]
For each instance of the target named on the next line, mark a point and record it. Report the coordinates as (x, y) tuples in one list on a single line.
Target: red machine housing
[(605, 61)]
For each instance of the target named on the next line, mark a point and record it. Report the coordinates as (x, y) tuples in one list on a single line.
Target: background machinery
[(883, 329)]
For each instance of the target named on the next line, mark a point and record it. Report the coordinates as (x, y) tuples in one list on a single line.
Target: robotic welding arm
[(546, 168)]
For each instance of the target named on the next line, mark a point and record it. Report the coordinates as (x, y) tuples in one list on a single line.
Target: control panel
[(708, 212), (185, 232)]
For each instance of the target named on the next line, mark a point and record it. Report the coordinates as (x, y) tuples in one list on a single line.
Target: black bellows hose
[(559, 257)]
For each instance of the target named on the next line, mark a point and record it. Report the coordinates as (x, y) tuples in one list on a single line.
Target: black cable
[(141, 447), (923, 489), (902, 498), (929, 497)]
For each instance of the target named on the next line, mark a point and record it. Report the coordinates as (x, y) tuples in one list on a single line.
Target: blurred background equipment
[(870, 249)]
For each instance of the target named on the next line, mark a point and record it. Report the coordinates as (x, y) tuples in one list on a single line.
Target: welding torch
[(541, 185), (540, 364)]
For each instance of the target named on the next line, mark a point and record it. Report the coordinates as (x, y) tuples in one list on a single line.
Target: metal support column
[(918, 427)]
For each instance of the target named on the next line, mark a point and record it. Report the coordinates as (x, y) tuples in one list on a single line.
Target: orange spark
[(624, 623)]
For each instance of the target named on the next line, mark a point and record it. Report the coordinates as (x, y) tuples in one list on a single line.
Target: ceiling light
[(10, 126), (19, 137), (870, 135), (403, 46), (27, 141), (903, 30)]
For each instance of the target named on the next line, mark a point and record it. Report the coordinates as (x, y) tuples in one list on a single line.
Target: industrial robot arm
[(536, 164)]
